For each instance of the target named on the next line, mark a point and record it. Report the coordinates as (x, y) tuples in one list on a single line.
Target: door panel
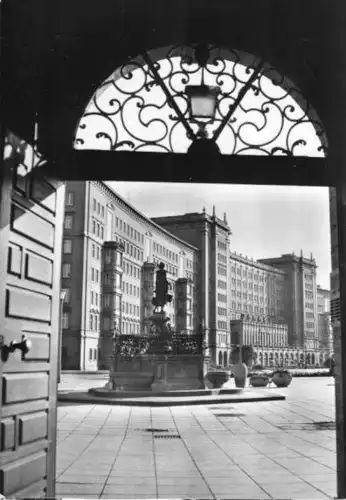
[(30, 308)]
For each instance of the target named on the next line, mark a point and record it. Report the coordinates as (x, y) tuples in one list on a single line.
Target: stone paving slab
[(223, 451)]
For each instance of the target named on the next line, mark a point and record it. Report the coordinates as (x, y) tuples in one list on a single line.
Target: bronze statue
[(162, 297)]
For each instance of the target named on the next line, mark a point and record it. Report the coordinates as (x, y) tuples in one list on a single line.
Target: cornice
[(138, 216)]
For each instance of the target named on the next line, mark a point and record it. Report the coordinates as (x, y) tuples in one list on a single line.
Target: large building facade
[(256, 289), (110, 252), (300, 303), (211, 235), (110, 255)]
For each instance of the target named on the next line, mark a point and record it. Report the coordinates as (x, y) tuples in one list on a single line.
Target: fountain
[(162, 363)]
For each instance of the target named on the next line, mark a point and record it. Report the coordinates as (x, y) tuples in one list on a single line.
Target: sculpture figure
[(162, 297)]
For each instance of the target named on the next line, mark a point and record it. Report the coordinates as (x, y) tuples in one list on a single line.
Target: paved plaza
[(243, 450)]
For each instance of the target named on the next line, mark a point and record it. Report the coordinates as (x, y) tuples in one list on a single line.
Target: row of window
[(95, 251), (94, 322), (92, 354), (132, 309), (98, 229), (129, 327), (249, 274), (308, 277), (249, 296), (98, 208), (222, 258), (131, 289), (309, 315), (95, 298), (95, 275), (131, 270), (131, 250), (309, 305), (222, 298), (129, 230), (161, 250), (246, 307), (309, 295), (222, 284), (221, 245), (222, 270), (222, 311), (222, 325), (309, 324)]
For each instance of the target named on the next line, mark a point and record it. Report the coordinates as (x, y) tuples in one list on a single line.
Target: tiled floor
[(106, 452)]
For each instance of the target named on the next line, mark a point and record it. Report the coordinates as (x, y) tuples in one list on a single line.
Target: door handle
[(25, 345)]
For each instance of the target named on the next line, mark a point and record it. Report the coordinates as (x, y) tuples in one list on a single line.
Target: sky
[(266, 221)]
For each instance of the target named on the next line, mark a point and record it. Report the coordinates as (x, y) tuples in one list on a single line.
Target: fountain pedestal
[(160, 383)]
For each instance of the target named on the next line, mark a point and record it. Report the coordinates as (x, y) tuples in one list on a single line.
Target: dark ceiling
[(57, 52)]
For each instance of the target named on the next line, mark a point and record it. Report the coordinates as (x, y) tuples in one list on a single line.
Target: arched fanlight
[(200, 98)]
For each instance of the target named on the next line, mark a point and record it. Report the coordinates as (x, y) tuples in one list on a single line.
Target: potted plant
[(218, 378), (259, 379), (281, 377)]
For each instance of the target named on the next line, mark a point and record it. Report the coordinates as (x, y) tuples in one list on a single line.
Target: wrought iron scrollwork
[(143, 106)]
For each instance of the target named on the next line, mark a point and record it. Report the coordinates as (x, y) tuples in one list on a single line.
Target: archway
[(296, 145), (225, 364), (220, 359)]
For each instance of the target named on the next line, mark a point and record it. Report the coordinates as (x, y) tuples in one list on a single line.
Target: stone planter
[(282, 378), (259, 380), (218, 378), (132, 381), (240, 372)]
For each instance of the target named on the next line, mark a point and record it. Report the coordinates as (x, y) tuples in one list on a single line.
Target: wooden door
[(31, 215)]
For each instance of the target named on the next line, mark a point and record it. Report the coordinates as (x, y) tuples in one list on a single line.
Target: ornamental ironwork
[(145, 105)]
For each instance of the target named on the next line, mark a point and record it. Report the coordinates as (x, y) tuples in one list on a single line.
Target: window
[(92, 274), (91, 322), (95, 350), (94, 204), (96, 322), (98, 208), (93, 250), (103, 211), (102, 232), (97, 275), (107, 300), (92, 297), (66, 291), (98, 253), (68, 221), (65, 320), (96, 299), (69, 199), (66, 270), (94, 227), (67, 249), (98, 229), (108, 256)]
